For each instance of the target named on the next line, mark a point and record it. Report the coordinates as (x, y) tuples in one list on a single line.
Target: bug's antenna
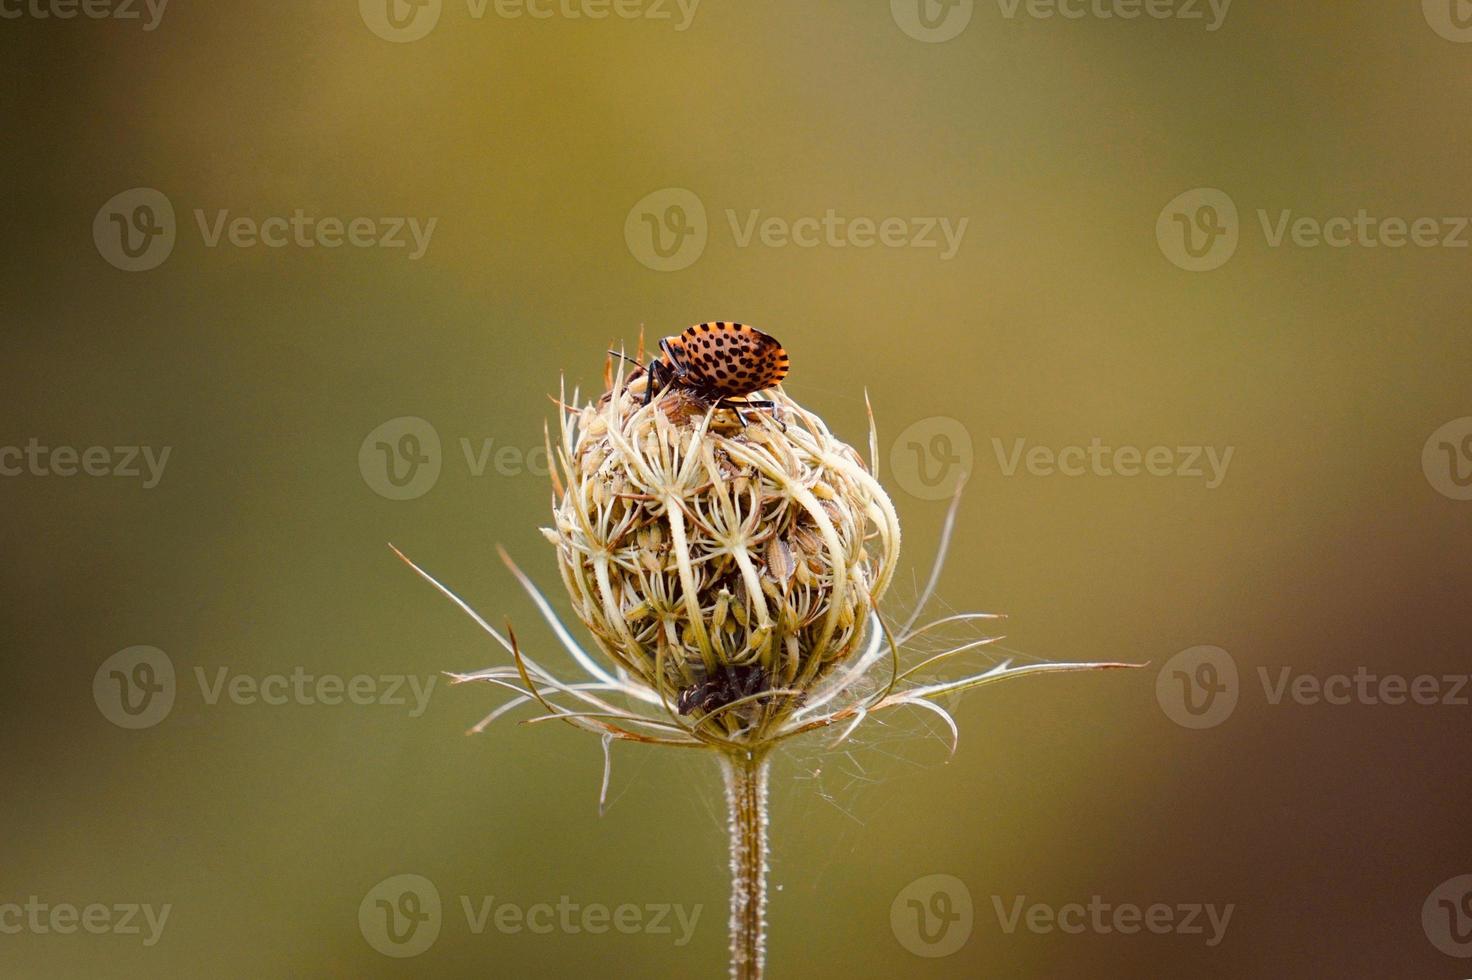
[(619, 353)]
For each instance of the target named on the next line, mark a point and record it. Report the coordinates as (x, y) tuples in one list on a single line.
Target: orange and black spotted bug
[(721, 364)]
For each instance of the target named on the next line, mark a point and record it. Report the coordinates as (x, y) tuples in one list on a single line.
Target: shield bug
[(720, 363)]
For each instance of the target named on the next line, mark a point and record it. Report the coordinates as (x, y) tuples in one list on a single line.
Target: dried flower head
[(729, 570), (729, 567), (728, 563)]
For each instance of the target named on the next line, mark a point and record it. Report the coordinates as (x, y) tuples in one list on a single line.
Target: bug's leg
[(776, 409), (777, 415), (656, 369), (730, 404), (677, 363)]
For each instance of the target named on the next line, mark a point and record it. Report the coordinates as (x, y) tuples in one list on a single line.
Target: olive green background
[(1060, 320)]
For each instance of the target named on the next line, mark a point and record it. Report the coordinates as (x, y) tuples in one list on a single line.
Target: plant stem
[(746, 797)]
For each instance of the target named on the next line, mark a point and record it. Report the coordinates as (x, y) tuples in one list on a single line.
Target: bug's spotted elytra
[(720, 363)]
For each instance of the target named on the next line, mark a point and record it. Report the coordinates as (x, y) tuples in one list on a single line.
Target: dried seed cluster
[(727, 572), (727, 568)]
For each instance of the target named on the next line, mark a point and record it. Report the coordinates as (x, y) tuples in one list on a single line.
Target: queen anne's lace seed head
[(728, 568), (730, 575)]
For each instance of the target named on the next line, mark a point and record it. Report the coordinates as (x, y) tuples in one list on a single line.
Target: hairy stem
[(746, 797)]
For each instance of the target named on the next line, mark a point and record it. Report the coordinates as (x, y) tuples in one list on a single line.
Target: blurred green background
[(1060, 318)]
